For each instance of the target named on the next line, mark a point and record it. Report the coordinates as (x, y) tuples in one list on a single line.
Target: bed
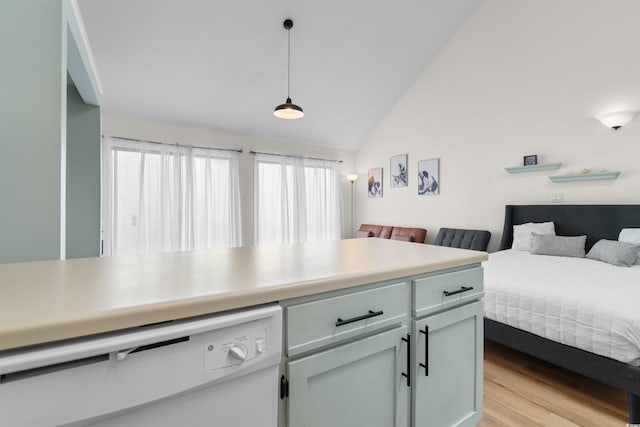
[(580, 314)]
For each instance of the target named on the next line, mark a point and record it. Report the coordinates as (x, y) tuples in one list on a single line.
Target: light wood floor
[(520, 390)]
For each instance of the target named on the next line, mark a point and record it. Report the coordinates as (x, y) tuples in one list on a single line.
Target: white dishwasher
[(219, 370)]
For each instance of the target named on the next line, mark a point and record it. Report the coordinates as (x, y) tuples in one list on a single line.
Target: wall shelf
[(593, 176), (533, 168)]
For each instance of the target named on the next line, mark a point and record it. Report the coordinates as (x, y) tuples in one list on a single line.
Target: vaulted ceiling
[(223, 63)]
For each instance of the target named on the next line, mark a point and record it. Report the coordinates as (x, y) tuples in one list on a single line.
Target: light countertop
[(53, 300)]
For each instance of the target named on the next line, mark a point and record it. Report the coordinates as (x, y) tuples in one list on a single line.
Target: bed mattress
[(579, 302)]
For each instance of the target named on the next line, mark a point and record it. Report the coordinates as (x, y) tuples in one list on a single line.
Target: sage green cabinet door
[(451, 394), (356, 384)]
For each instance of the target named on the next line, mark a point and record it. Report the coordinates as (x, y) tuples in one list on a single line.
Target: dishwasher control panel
[(235, 350)]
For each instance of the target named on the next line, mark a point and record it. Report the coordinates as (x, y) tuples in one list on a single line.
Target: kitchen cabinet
[(447, 389), (348, 308), (330, 319), (403, 353), (448, 330), (359, 383), (347, 358)]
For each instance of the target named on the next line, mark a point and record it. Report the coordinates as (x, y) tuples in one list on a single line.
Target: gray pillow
[(546, 244), (630, 235), (522, 234), (614, 252)]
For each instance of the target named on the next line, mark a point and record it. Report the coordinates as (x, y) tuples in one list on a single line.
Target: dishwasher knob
[(261, 345), (237, 354)]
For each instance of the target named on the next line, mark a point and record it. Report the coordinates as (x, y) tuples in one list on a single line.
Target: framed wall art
[(375, 182), (429, 177), (398, 171)]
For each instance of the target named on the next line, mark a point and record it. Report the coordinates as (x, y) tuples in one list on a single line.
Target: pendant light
[(288, 110)]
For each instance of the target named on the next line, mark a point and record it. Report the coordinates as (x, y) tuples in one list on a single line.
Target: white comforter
[(575, 301)]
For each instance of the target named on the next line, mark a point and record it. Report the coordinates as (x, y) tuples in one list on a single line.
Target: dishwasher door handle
[(122, 354)]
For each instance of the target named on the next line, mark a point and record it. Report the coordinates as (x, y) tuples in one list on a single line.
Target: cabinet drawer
[(326, 321), (449, 289)]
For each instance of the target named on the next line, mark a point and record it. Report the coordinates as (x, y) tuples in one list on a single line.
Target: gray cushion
[(547, 244), (614, 252), (477, 240), (522, 234), (631, 235)]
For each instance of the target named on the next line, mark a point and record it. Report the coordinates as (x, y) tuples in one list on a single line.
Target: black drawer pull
[(459, 291), (370, 314)]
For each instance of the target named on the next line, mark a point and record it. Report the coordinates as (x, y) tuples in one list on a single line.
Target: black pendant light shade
[(288, 110)]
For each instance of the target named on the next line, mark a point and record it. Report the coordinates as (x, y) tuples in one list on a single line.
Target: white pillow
[(522, 234), (631, 235)]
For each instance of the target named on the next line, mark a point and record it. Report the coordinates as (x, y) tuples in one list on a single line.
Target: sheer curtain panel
[(159, 198), (295, 200)]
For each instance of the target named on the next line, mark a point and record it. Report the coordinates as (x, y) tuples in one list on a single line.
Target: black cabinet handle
[(369, 315), (284, 387), (407, 375), (425, 365), (459, 291)]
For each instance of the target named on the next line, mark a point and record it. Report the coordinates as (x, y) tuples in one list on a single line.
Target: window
[(296, 200), (159, 198)]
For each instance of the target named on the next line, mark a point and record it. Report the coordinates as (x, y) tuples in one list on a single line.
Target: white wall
[(520, 77), (191, 135)]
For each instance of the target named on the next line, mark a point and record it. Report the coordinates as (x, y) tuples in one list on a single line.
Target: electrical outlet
[(557, 197)]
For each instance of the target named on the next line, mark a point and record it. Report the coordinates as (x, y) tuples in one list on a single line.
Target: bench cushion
[(477, 240)]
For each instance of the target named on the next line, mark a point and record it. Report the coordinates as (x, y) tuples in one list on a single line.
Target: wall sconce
[(618, 119), (352, 178)]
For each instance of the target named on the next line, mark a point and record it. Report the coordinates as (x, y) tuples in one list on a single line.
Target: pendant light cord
[(289, 63), (288, 110)]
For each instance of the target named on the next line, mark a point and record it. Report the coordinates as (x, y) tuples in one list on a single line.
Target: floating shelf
[(533, 168), (594, 176)]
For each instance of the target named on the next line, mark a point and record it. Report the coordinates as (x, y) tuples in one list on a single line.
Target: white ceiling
[(223, 63)]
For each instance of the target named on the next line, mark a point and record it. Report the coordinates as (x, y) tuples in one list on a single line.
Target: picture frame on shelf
[(530, 160), (375, 183), (398, 171)]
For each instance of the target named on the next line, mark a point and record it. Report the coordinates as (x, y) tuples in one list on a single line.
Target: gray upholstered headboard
[(595, 221)]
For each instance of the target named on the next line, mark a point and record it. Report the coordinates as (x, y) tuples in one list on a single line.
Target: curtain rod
[(296, 157), (168, 143)]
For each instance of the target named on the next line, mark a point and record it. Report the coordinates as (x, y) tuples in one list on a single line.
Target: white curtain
[(159, 198), (295, 200)]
